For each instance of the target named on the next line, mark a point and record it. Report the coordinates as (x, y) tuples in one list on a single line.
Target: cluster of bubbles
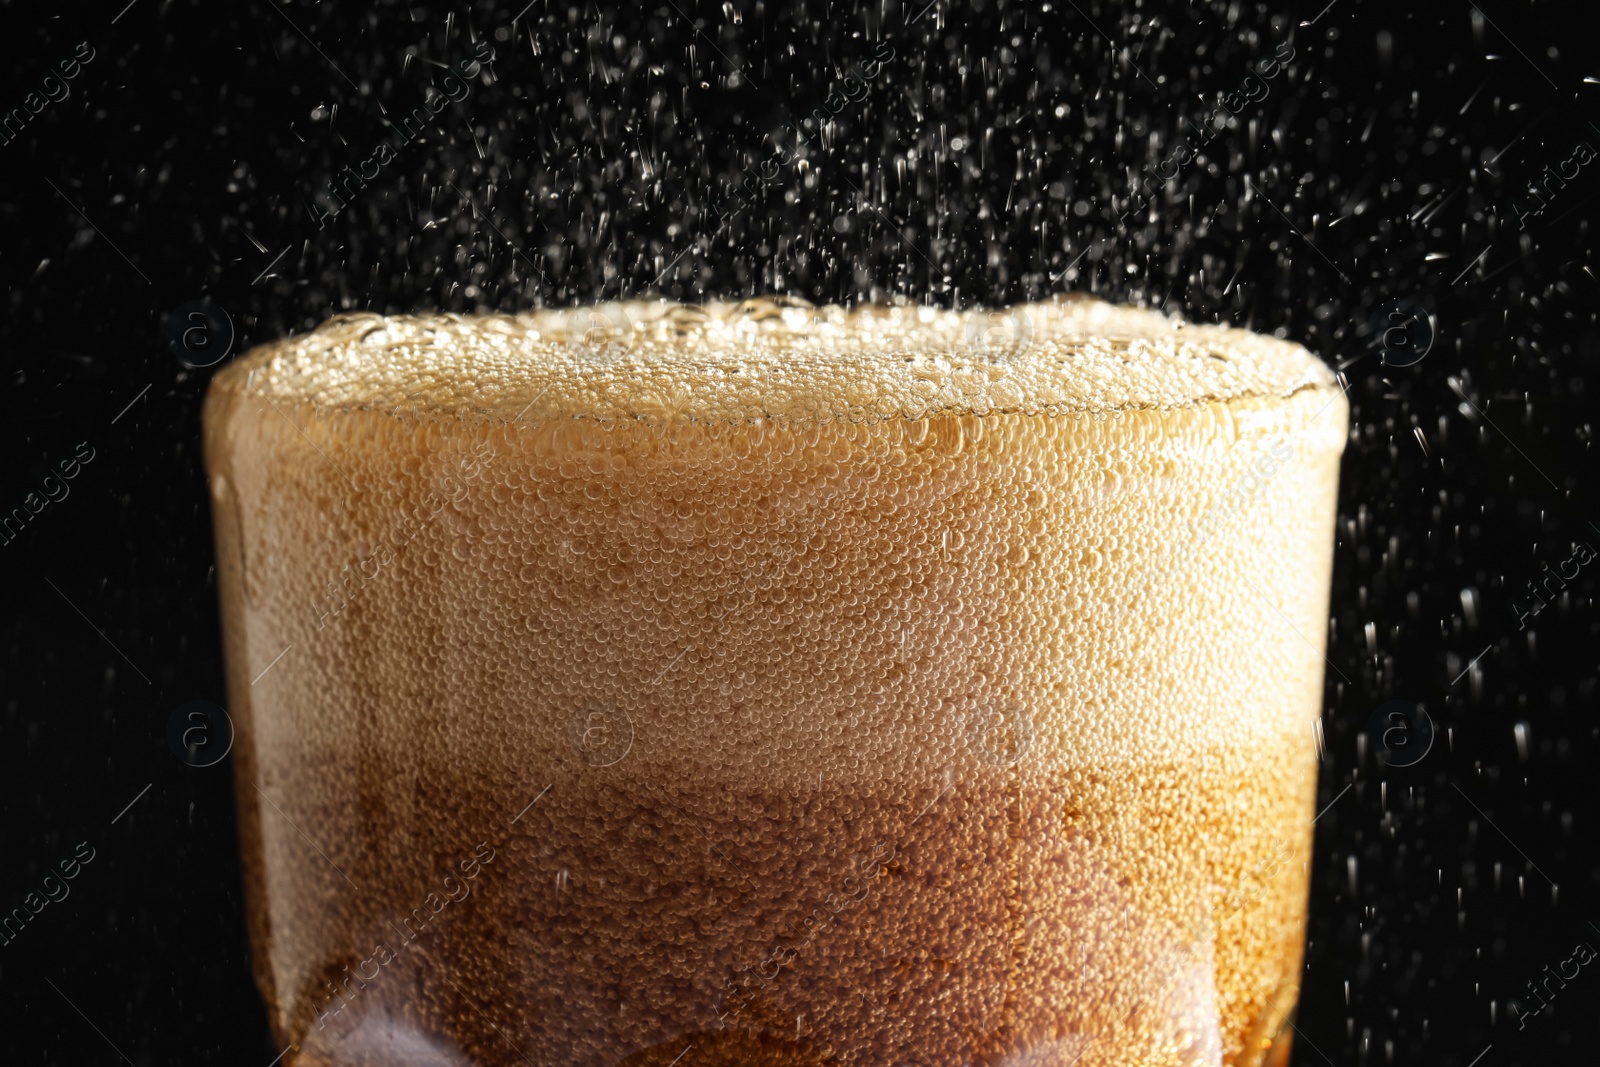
[(751, 653)]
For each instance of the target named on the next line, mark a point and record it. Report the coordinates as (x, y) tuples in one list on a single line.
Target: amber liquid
[(950, 740)]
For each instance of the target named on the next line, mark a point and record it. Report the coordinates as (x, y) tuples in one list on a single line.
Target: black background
[(1388, 162)]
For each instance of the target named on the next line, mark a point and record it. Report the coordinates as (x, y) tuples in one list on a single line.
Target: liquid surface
[(818, 716), (768, 359)]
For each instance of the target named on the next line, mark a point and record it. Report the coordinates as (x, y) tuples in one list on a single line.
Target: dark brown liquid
[(986, 920)]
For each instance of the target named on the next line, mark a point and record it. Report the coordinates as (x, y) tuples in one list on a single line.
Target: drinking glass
[(768, 684)]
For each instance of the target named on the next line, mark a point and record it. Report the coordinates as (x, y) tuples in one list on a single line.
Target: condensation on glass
[(767, 684)]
